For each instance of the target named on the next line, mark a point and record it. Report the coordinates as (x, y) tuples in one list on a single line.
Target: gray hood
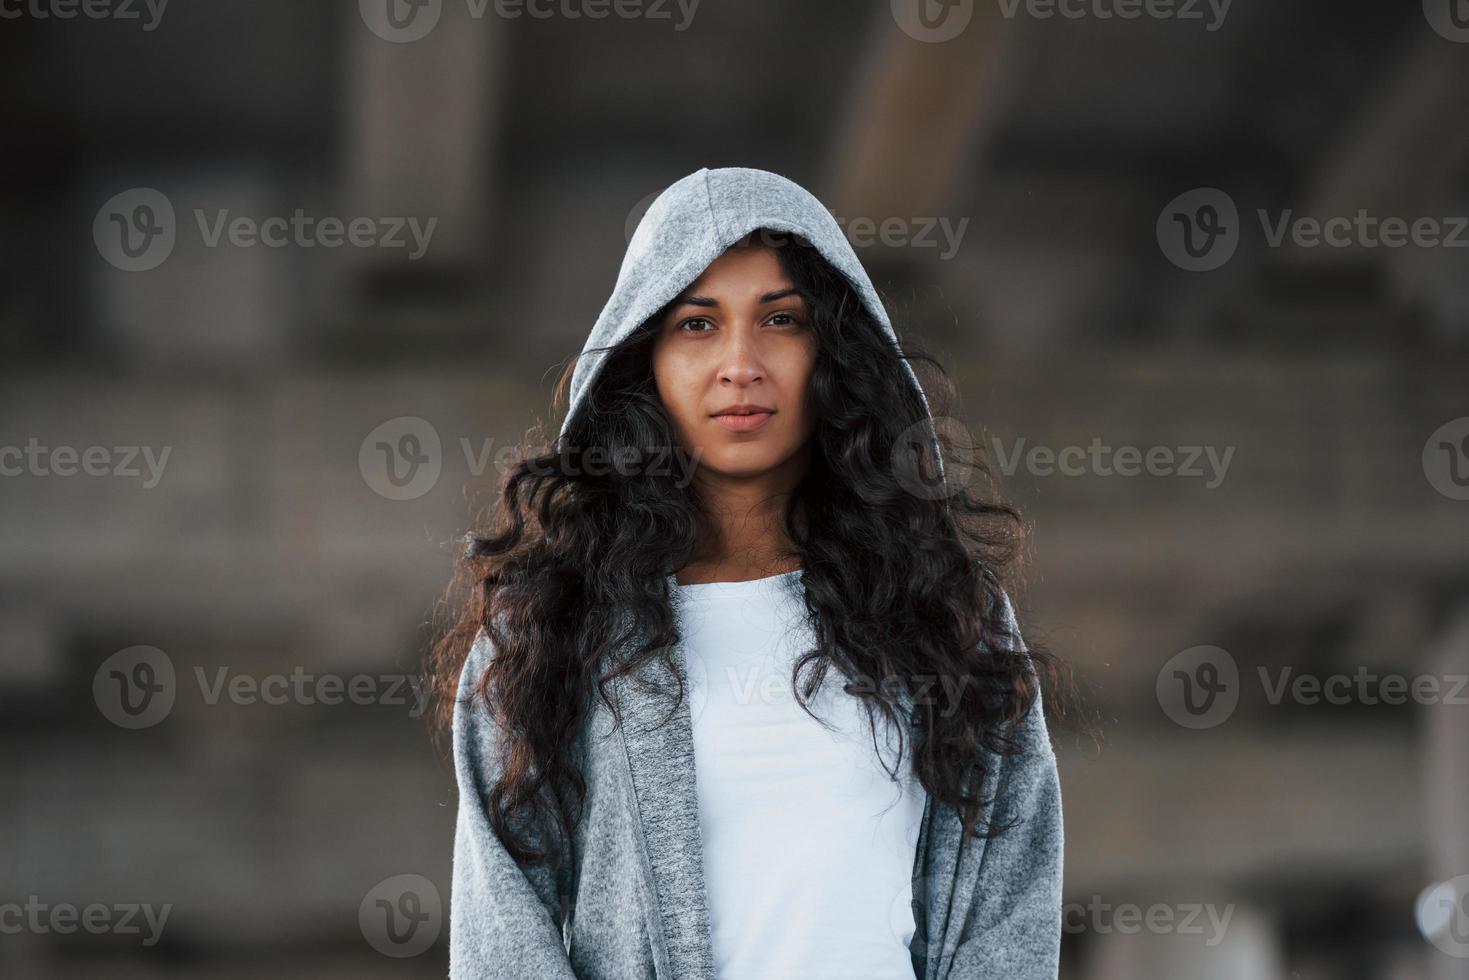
[(690, 225)]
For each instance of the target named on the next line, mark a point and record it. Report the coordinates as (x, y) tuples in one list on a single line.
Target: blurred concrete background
[(1199, 273)]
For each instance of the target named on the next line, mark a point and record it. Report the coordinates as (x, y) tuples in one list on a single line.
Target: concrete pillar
[(419, 130), (1443, 913)]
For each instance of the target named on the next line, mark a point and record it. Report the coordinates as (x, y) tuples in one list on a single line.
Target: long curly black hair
[(904, 575)]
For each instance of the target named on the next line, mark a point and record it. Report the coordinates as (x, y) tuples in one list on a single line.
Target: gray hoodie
[(630, 901)]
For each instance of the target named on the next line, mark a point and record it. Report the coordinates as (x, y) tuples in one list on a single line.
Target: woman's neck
[(746, 536)]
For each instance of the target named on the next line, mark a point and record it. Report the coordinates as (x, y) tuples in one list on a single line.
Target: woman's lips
[(744, 423)]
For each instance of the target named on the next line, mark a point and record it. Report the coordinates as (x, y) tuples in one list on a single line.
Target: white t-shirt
[(808, 843)]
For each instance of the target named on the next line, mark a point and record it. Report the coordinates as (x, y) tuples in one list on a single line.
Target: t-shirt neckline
[(748, 585)]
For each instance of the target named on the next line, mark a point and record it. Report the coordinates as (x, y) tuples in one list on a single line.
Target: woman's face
[(738, 340)]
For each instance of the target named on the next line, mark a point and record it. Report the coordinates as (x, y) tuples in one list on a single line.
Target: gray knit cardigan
[(630, 902)]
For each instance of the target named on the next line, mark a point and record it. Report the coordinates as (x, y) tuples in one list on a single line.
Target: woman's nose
[(740, 360)]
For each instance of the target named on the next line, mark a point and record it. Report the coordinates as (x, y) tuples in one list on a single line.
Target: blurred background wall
[(280, 280)]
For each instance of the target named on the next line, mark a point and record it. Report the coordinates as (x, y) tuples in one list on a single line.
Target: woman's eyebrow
[(710, 302)]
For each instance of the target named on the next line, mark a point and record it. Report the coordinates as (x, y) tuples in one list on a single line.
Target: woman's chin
[(741, 463)]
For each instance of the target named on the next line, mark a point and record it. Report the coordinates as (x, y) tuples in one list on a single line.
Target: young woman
[(736, 692)]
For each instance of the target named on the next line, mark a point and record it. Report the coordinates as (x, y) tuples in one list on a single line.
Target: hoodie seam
[(709, 204)]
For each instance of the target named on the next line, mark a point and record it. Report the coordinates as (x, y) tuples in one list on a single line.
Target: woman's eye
[(700, 324)]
